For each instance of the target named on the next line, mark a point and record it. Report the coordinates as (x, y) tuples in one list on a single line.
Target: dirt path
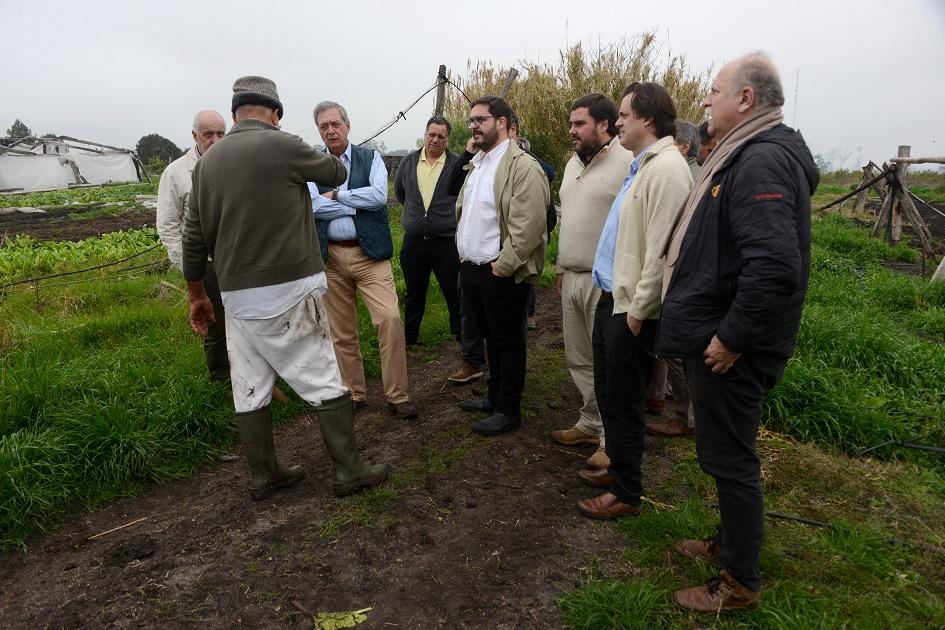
[(470, 532)]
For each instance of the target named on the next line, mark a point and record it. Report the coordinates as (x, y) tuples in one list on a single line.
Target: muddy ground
[(473, 532), (72, 224)]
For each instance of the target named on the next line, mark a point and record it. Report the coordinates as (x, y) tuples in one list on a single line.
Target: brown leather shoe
[(468, 372), (404, 409), (707, 550), (654, 406), (670, 427), (573, 437), (720, 594), (598, 460), (597, 478), (606, 507)]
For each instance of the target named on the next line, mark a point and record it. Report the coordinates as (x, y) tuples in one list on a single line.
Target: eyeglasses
[(476, 121)]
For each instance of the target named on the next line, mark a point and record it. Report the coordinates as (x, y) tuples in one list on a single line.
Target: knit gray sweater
[(251, 211)]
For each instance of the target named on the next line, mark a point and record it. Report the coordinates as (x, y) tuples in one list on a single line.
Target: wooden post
[(508, 83), (440, 90), (860, 202), (881, 216), (895, 225)]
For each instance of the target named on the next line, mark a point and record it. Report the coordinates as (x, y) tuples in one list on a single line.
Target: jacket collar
[(664, 144)]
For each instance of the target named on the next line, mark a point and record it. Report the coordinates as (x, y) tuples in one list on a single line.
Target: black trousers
[(497, 306), (214, 344), (728, 410), (472, 345), (623, 366), (418, 257)]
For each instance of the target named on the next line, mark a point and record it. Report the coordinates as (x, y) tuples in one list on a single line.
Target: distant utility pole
[(797, 80)]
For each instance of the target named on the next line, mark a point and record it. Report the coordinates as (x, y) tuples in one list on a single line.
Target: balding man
[(736, 269), (173, 192)]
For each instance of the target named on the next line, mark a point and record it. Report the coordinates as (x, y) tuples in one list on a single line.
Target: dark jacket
[(440, 218), (250, 208), (744, 261)]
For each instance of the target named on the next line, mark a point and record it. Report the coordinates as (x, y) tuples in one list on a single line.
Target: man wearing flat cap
[(250, 211)]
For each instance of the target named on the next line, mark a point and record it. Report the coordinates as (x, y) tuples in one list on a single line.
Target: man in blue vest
[(356, 244)]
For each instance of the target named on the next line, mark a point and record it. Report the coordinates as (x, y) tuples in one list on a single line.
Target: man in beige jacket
[(500, 237), (629, 272), (592, 178)]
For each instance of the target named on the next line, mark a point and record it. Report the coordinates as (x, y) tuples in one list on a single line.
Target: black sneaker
[(496, 424), (477, 404)]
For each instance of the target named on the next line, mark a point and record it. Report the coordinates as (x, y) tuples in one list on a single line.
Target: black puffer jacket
[(744, 262)]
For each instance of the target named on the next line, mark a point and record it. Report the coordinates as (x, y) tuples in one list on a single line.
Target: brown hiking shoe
[(573, 437), (468, 372), (718, 595), (669, 428), (598, 460), (707, 550)]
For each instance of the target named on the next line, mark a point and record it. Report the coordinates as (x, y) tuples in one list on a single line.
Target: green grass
[(847, 575), (103, 389), (107, 192), (869, 357), (868, 368)]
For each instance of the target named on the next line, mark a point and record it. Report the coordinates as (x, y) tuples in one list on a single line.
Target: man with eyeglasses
[(501, 240)]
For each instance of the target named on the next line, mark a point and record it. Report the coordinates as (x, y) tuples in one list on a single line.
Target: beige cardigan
[(648, 212)]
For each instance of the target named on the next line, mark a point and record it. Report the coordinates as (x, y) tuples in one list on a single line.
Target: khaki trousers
[(578, 304), (349, 270)]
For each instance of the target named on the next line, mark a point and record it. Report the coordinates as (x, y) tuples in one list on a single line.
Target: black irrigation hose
[(894, 541), (72, 273), (468, 100), (917, 447), (399, 115)]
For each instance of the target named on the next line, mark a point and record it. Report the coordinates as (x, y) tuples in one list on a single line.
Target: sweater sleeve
[(311, 165), (665, 195), (399, 191), (194, 246), (761, 219), (458, 174)]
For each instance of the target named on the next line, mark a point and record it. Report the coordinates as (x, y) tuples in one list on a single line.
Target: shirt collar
[(494, 153), (423, 156), (635, 164)]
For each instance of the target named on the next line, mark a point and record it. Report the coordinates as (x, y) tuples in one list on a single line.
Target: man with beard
[(592, 178), (501, 242)]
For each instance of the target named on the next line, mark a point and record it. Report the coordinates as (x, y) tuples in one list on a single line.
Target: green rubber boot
[(266, 474), (336, 417)]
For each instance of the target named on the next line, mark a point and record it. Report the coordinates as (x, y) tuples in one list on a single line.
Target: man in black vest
[(429, 219), (356, 244)]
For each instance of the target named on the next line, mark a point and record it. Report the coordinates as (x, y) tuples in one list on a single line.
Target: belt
[(477, 265), (606, 296), (349, 243)]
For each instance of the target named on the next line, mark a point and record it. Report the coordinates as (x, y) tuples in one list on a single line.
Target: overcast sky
[(872, 72)]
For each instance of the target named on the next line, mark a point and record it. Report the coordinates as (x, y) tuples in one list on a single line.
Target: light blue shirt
[(603, 271), (340, 213)]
